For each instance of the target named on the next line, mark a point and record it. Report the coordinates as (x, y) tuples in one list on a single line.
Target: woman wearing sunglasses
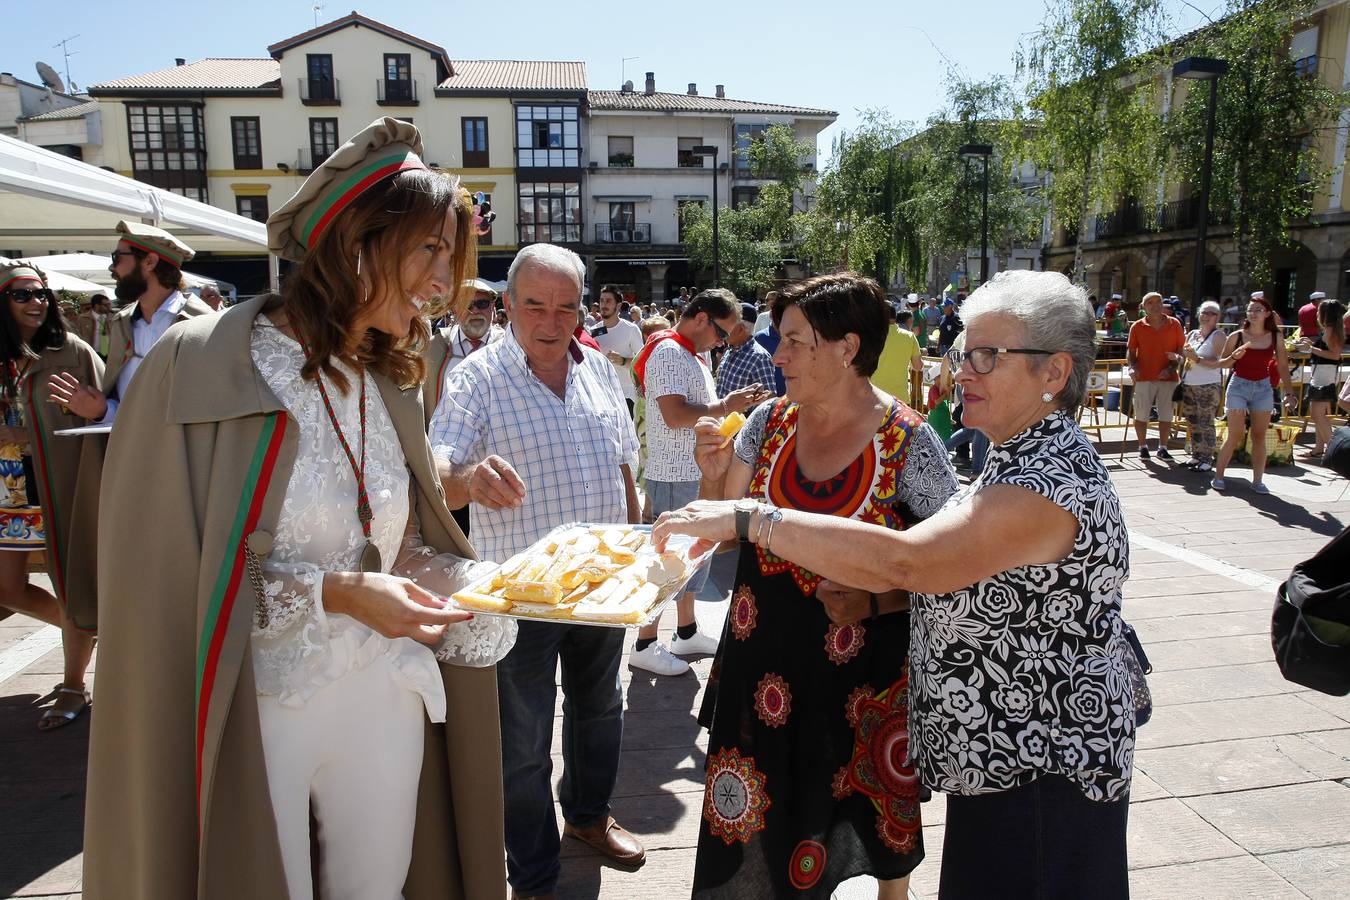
[(39, 469), (1021, 708)]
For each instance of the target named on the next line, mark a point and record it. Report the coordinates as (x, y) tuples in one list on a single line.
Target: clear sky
[(845, 56)]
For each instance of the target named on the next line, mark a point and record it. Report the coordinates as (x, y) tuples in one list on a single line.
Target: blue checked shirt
[(743, 366), (568, 453)]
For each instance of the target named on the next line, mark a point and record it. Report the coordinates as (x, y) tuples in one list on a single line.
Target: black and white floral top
[(1025, 673)]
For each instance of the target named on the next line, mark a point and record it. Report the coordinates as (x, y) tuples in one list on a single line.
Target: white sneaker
[(657, 660), (698, 645)]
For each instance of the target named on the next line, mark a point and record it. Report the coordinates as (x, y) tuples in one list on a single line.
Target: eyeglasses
[(484, 303), (722, 333), (116, 253), (25, 295), (982, 359)]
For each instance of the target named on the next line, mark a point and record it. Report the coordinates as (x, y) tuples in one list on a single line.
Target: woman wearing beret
[(39, 470), (281, 647), (1021, 688)]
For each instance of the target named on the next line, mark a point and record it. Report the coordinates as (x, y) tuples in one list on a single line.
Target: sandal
[(53, 718)]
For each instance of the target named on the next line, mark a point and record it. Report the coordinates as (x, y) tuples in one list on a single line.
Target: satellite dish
[(50, 78)]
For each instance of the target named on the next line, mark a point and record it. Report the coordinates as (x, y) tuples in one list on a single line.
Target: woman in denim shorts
[(1250, 395)]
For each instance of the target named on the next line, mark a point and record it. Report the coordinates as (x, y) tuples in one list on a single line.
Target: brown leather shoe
[(610, 840)]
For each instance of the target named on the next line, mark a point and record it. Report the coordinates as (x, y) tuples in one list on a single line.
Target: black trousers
[(1042, 841)]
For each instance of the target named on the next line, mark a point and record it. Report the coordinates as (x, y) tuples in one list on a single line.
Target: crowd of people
[(289, 704)]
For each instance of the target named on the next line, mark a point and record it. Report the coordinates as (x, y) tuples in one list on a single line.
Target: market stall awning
[(95, 268), (35, 172), (63, 281)]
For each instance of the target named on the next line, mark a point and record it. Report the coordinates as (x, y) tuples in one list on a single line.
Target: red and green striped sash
[(223, 595)]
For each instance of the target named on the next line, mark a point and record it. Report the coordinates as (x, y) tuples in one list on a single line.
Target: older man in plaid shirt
[(533, 432), (745, 362)]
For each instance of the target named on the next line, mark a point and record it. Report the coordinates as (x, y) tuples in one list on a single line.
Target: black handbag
[(1310, 628), (1139, 666)]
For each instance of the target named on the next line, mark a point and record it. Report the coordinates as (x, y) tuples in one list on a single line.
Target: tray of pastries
[(587, 574)]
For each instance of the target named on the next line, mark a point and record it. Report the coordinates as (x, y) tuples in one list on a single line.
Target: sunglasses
[(484, 303), (722, 333), (118, 253), (24, 295)]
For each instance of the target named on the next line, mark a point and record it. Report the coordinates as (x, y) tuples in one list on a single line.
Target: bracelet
[(768, 541), (876, 608), (759, 532)]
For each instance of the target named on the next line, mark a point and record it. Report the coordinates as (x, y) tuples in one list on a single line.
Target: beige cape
[(178, 802), (436, 355), (56, 458)]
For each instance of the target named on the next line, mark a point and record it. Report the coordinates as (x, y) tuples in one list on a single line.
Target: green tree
[(860, 218), (947, 191), (1090, 121), (1268, 118), (753, 240)]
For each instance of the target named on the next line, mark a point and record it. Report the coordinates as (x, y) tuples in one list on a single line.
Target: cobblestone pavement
[(1242, 780)]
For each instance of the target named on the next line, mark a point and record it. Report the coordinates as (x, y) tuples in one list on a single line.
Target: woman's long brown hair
[(387, 223)]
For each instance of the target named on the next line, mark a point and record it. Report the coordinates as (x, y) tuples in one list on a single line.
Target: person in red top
[(1250, 352), (1307, 317), (1154, 357), (582, 336)]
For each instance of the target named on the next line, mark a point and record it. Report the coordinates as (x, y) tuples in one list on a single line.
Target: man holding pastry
[(533, 433), (680, 390)]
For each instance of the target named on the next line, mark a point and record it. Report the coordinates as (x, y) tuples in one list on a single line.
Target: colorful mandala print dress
[(808, 775), (21, 525)]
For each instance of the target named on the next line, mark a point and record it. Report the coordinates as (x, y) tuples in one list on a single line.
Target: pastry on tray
[(602, 574)]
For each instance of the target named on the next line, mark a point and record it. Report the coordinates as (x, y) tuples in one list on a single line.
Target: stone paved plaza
[(1241, 783)]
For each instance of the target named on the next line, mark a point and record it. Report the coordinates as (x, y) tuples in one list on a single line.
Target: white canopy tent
[(63, 281), (93, 268), (43, 180)]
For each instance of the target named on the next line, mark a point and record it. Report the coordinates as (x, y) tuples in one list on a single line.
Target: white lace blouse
[(297, 646)]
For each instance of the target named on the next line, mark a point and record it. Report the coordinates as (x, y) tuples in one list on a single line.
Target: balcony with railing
[(320, 92), (401, 92), (637, 233), (1126, 220), (306, 160), (1130, 219)]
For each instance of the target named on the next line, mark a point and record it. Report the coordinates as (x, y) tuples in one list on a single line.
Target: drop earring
[(365, 291)]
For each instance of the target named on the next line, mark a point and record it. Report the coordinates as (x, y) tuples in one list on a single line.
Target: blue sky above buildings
[(846, 56)]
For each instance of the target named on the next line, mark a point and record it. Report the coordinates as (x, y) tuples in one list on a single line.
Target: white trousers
[(354, 751)]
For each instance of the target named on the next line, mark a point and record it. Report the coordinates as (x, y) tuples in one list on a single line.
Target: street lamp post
[(711, 150), (1202, 68), (982, 152)]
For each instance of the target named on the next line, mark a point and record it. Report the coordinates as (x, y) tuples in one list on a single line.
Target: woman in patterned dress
[(1021, 695), (808, 781), (39, 470)]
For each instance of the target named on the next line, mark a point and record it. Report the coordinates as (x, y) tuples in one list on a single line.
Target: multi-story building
[(241, 134), (642, 169), (22, 101), (1148, 243)]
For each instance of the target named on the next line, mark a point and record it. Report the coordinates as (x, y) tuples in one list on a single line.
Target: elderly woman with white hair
[(1021, 675), (1201, 385)]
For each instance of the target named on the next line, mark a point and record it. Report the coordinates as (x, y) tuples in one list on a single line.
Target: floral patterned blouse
[(1024, 673)]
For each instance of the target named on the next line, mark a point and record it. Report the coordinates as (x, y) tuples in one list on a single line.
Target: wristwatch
[(744, 509)]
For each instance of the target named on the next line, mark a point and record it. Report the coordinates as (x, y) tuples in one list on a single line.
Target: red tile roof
[(203, 75), (659, 102), (515, 75)]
